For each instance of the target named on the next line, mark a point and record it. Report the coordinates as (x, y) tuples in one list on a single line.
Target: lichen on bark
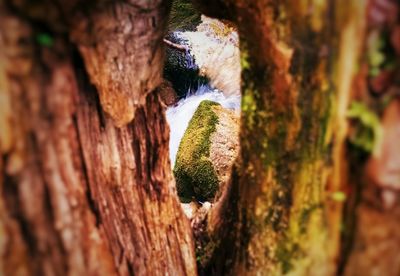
[(282, 180)]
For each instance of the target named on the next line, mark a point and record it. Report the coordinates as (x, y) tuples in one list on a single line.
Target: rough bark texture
[(44, 191), (122, 49), (80, 196), (304, 63), (283, 212)]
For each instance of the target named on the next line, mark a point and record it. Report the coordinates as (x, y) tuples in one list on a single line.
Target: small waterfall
[(190, 60), (181, 68), (179, 115), (209, 61)]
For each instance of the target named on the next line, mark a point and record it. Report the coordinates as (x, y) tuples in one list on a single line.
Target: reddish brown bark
[(283, 212), (44, 192), (80, 196), (121, 44)]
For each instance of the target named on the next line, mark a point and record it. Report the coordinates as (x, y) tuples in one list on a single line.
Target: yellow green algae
[(284, 182)]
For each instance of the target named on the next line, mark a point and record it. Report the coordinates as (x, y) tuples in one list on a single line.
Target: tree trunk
[(84, 192), (283, 213), (86, 184)]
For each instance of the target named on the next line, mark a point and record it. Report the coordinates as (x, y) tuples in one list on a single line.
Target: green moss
[(285, 253), (204, 252), (45, 39), (244, 59), (305, 215), (183, 16), (249, 108), (194, 173), (292, 247), (368, 130), (375, 54)]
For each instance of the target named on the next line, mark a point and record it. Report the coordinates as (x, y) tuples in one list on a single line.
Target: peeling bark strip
[(79, 196)]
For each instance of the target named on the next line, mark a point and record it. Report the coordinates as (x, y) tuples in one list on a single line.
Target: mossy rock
[(206, 152), (194, 173)]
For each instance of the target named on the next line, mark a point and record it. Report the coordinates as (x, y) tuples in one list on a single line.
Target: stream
[(218, 59), (178, 116)]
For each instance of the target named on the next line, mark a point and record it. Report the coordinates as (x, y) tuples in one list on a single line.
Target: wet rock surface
[(215, 48), (224, 144), (206, 153), (212, 56), (167, 93), (180, 67)]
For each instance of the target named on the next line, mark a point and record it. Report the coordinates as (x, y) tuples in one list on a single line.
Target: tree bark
[(283, 212), (85, 180), (86, 190)]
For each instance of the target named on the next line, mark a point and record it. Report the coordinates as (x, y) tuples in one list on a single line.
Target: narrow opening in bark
[(202, 92)]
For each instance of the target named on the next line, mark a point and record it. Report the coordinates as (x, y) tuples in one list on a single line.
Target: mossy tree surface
[(297, 71), (194, 173), (86, 193)]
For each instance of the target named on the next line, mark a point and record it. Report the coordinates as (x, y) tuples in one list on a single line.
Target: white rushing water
[(218, 58), (178, 116)]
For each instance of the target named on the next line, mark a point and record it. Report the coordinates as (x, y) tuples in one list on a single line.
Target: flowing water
[(221, 61), (178, 116)]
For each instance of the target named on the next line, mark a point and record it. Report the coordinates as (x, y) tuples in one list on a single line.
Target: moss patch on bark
[(194, 173)]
